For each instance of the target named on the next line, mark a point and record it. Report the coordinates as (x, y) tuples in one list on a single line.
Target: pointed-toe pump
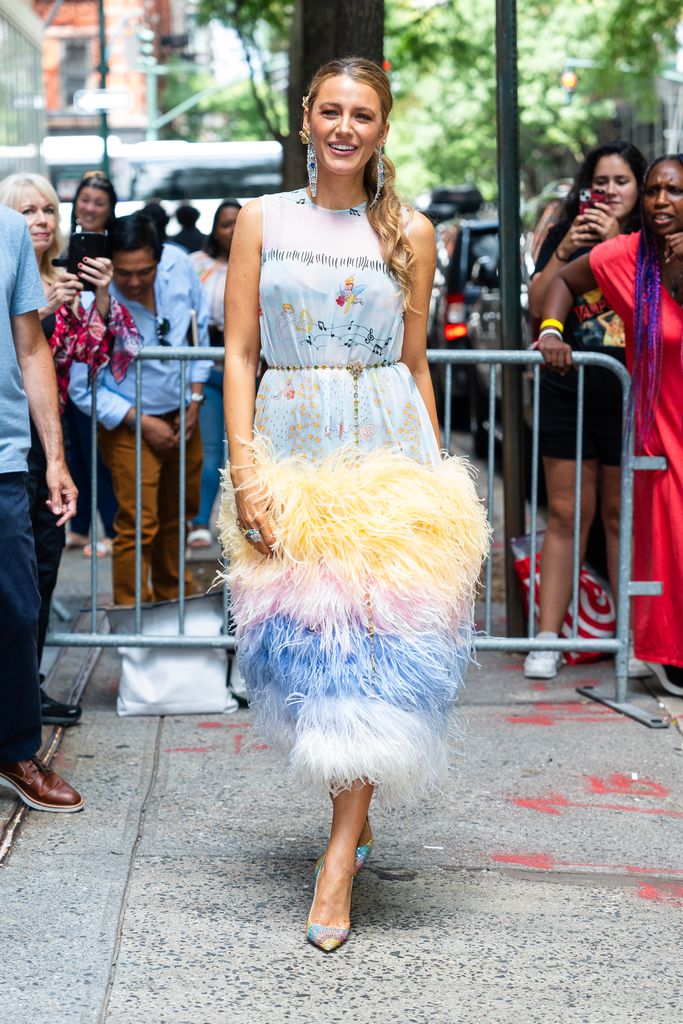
[(362, 853), (323, 936)]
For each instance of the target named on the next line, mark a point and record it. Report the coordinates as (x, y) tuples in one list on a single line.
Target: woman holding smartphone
[(93, 211), (612, 173), (74, 333)]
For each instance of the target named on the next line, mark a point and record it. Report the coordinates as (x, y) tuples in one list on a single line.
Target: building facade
[(138, 34), (21, 88)]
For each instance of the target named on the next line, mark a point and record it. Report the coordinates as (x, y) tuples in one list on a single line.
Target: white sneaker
[(543, 664), (637, 669)]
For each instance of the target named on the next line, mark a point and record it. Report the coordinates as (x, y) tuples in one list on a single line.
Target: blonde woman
[(74, 333), (354, 547)]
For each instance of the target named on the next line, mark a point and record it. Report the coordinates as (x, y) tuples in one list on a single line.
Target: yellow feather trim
[(377, 515)]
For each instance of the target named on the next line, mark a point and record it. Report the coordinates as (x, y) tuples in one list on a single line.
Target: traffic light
[(146, 37), (569, 82)]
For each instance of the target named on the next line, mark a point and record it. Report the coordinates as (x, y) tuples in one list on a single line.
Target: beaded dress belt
[(355, 369)]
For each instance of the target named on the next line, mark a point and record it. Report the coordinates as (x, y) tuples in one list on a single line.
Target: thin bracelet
[(550, 330), (562, 259), (549, 322)]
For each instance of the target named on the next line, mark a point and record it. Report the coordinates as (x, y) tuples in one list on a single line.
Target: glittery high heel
[(362, 853), (324, 936)]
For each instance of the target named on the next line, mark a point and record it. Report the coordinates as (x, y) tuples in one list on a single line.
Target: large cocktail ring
[(254, 536)]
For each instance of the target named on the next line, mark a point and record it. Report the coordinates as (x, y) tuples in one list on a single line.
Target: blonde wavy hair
[(11, 188), (388, 215)]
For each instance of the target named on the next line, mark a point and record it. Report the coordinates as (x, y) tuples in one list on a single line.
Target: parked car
[(460, 247)]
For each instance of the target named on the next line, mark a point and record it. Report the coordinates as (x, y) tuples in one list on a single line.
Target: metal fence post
[(510, 284)]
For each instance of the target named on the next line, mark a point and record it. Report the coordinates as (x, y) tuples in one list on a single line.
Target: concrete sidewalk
[(544, 885)]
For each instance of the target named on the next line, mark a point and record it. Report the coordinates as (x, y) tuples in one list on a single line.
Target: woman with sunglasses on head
[(211, 264), (354, 548), (641, 277), (610, 177), (75, 333), (93, 210), (162, 307)]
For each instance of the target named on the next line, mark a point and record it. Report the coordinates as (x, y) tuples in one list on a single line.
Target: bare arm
[(414, 352), (40, 383), (573, 280), (242, 351), (596, 225)]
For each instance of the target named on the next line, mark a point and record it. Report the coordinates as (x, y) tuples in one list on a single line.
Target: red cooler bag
[(597, 613)]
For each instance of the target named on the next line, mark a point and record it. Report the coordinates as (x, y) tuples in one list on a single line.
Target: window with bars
[(76, 68)]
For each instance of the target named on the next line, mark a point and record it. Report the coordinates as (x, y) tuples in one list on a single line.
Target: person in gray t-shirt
[(27, 381)]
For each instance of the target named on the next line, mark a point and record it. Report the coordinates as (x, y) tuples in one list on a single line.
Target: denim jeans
[(213, 430), (19, 611)]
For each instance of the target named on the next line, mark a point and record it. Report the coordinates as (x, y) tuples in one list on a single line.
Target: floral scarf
[(85, 336)]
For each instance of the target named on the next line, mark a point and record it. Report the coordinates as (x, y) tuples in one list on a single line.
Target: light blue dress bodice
[(331, 320)]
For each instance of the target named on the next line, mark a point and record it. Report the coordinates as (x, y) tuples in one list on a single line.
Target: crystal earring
[(380, 174), (312, 165)]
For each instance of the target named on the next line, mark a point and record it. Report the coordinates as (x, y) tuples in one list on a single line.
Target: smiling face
[(345, 125), (663, 198), (135, 273), (41, 217), (614, 177), (93, 209)]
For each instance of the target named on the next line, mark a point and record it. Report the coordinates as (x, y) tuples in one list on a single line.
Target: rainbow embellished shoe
[(323, 936), (362, 853)]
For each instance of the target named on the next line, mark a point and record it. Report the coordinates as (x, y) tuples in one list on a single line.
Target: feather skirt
[(354, 637)]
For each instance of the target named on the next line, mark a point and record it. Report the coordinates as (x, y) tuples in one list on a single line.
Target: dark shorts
[(602, 413)]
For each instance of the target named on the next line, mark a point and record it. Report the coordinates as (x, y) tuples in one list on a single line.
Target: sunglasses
[(162, 325)]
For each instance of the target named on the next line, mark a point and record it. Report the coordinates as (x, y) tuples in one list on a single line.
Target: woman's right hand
[(62, 292), (557, 354), (251, 509), (581, 235)]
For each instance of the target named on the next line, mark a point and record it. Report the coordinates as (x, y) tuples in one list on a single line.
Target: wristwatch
[(197, 397)]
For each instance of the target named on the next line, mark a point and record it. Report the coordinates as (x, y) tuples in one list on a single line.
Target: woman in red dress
[(641, 277)]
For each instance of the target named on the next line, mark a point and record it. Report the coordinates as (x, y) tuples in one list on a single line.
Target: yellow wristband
[(553, 323)]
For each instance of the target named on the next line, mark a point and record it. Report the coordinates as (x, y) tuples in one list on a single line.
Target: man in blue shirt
[(26, 372), (157, 297)]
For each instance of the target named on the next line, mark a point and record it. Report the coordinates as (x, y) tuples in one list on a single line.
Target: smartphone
[(588, 197), (82, 243)]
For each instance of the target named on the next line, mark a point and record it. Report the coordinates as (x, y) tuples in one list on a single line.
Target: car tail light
[(455, 326)]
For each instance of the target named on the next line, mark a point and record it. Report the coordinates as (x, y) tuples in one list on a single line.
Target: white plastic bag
[(173, 680)]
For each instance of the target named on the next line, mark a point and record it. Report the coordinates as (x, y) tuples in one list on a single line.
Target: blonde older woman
[(74, 333)]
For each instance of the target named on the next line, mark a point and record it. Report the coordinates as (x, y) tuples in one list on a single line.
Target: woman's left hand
[(673, 247), (98, 272), (601, 221)]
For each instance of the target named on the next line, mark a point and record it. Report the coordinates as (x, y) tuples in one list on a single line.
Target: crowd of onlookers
[(142, 288)]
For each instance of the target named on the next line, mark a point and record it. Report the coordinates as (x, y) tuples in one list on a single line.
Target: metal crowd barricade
[(627, 588)]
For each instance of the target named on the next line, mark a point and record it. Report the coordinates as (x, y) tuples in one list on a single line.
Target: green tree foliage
[(443, 76)]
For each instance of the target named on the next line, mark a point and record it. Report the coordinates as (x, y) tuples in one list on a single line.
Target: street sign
[(94, 101)]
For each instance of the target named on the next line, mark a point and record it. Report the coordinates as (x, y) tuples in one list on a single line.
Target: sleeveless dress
[(354, 637)]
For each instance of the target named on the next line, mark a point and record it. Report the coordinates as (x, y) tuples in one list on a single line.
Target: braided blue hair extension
[(647, 327)]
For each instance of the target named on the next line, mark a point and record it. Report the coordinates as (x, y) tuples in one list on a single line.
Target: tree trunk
[(321, 31)]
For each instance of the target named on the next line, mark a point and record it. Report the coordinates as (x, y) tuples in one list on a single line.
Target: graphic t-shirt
[(21, 291), (592, 326)]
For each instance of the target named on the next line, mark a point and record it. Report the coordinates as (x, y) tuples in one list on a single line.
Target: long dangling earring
[(312, 167), (380, 174)]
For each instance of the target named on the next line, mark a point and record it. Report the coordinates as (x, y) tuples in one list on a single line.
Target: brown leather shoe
[(39, 787)]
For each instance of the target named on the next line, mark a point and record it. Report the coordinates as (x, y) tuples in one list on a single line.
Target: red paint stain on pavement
[(549, 714), (555, 803), (539, 687), (526, 860), (223, 725), (670, 894), (618, 783), (187, 750)]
